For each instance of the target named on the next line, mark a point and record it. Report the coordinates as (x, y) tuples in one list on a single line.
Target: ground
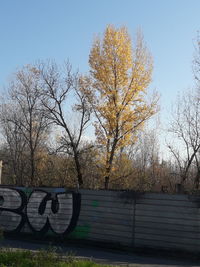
[(112, 257)]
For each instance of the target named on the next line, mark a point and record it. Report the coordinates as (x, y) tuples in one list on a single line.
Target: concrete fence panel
[(142, 220)]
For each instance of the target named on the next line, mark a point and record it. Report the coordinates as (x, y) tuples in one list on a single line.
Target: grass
[(43, 258)]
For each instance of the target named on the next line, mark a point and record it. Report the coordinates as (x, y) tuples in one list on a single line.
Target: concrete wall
[(167, 221), (121, 218), (107, 217)]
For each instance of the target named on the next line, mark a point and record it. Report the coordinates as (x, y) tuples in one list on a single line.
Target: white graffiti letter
[(43, 211), (11, 218)]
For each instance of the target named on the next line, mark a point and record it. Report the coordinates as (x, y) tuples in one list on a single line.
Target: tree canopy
[(120, 76)]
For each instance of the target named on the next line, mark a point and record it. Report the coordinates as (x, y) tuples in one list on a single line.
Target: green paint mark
[(80, 232), (50, 233), (95, 203), (27, 191)]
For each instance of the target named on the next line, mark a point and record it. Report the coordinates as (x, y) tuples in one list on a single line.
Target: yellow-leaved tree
[(120, 77)]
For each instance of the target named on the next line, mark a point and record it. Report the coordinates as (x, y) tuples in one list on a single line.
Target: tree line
[(48, 109)]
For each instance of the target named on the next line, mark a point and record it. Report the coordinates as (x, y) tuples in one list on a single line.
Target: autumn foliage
[(121, 75), (45, 135)]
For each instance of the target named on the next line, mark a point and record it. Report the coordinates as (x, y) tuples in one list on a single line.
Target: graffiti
[(42, 211), (11, 215), (59, 212)]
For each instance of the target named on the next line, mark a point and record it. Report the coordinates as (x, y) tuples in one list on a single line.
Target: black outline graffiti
[(52, 196), (18, 211), (76, 204)]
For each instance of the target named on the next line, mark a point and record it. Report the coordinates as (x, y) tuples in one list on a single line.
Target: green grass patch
[(43, 258)]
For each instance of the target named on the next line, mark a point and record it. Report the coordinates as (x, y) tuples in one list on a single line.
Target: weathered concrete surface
[(104, 256)]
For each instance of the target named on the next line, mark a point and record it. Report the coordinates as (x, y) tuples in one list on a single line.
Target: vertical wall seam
[(133, 228)]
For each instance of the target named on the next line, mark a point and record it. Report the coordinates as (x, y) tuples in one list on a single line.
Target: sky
[(32, 30)]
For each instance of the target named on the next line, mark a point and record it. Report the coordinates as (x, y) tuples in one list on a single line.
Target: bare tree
[(58, 85), (196, 61), (15, 143), (185, 127), (30, 121)]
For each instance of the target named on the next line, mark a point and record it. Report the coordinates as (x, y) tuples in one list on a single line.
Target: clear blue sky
[(61, 29)]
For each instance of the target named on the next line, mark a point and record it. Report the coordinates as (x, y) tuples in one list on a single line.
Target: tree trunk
[(78, 169), (197, 179), (107, 177), (32, 168), (109, 163), (106, 184)]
